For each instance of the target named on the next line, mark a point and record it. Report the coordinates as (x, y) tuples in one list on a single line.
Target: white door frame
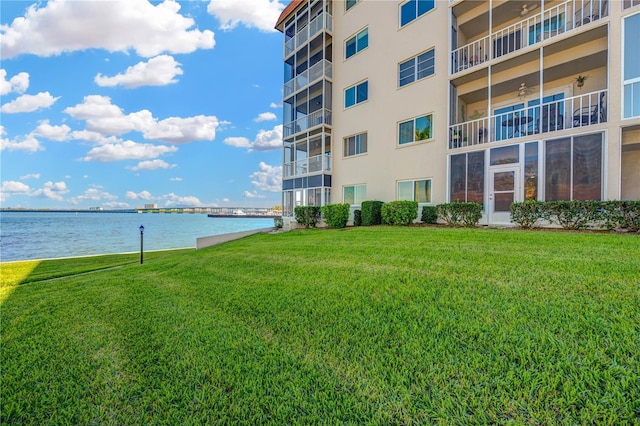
[(503, 217)]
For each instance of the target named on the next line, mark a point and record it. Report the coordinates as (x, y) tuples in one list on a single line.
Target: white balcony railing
[(577, 111), (324, 21), (317, 163), (322, 116), (534, 29), (309, 76)]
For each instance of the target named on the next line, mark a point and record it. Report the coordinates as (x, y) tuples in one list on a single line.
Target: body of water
[(44, 235)]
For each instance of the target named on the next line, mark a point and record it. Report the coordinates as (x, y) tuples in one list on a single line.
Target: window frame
[(355, 191), (630, 85), (429, 119), (417, 11), (413, 183), (355, 39), (416, 69), (348, 7), (357, 145), (356, 87)]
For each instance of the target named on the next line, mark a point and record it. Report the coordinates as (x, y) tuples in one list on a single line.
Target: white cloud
[(173, 200), (95, 137), (183, 130), (51, 191), (143, 195), (29, 103), (159, 71), (260, 14), (10, 187), (265, 140), (238, 142), (18, 83), (30, 176), (29, 143), (268, 140), (93, 194), (152, 165), (115, 205), (225, 200), (107, 119), (265, 116), (56, 133), (176, 179), (127, 150), (117, 26), (267, 178), (253, 194), (275, 105)]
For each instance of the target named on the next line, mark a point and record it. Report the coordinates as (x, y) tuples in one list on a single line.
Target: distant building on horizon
[(436, 101), (151, 206)]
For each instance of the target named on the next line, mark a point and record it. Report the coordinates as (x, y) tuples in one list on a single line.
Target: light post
[(141, 244)]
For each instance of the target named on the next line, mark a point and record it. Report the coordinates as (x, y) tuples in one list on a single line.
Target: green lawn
[(380, 325)]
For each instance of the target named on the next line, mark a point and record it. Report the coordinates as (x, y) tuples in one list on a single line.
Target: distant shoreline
[(15, 210)]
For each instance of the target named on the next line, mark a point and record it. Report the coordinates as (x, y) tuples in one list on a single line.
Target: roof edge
[(288, 11)]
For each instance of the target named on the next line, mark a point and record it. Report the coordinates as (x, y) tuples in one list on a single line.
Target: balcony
[(577, 111), (316, 72), (317, 163), (316, 118), (626, 4), (323, 21), (533, 29)]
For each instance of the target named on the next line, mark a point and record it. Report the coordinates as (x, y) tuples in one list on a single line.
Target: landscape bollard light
[(141, 244)]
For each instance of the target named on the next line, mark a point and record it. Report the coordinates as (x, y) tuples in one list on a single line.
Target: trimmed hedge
[(460, 214), (611, 215), (429, 214), (278, 222), (357, 218), (527, 214), (307, 215), (336, 215), (399, 212), (371, 213)]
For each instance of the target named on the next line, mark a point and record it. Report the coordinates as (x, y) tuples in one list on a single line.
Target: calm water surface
[(44, 235)]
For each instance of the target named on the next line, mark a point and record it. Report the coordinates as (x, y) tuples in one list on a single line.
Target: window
[(573, 168), (350, 3), (631, 71), (467, 177), (413, 9), (356, 94), (416, 68), (414, 130), (415, 190), (354, 194), (355, 145), (357, 43)]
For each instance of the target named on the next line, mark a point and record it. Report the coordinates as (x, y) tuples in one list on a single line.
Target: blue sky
[(126, 102)]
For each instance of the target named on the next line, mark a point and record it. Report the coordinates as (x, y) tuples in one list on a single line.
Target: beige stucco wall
[(385, 163)]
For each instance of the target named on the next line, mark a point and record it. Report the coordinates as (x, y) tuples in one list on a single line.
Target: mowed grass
[(380, 325)]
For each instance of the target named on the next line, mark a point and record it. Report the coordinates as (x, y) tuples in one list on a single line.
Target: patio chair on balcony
[(592, 114), (551, 119)]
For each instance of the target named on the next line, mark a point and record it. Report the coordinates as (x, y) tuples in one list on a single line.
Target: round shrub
[(429, 214), (399, 212), (357, 218), (336, 215)]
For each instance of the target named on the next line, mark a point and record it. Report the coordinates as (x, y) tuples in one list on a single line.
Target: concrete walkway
[(223, 238)]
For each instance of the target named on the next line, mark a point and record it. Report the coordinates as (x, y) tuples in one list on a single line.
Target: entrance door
[(504, 189)]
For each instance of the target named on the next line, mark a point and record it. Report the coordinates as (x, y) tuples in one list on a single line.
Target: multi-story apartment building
[(491, 101)]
